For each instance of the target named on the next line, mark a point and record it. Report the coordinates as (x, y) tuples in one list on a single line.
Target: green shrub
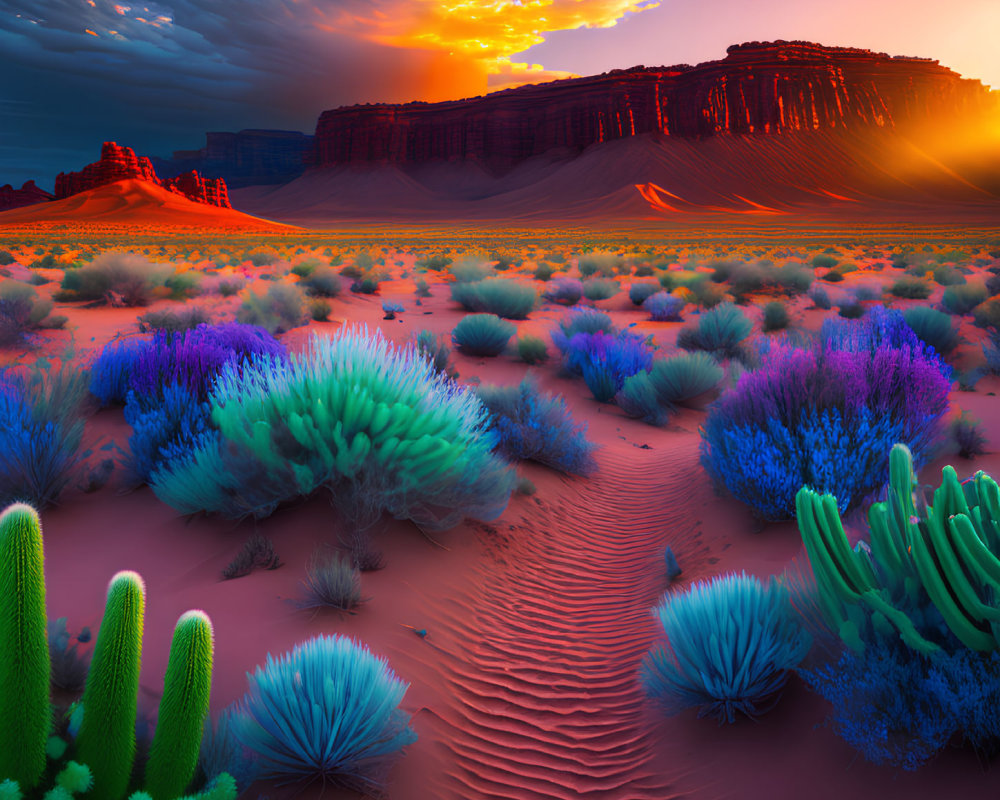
[(605, 264), (963, 298), (169, 319), (638, 292), (438, 262), (6, 258), (322, 282), (680, 379), (987, 314), (22, 310), (720, 331), (119, 279), (422, 287), (469, 270), (933, 327), (532, 349), (824, 261), (595, 289), (372, 425), (183, 285), (262, 256), (482, 334), (280, 309), (544, 271), (366, 284), (305, 267), (505, 298), (911, 288), (775, 316), (319, 309), (948, 276)]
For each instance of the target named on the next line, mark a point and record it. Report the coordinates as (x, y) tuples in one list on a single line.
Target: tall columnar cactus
[(183, 708), (106, 741), (942, 555), (25, 713)]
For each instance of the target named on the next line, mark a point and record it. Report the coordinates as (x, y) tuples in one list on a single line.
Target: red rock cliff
[(27, 195), (121, 163), (759, 88)]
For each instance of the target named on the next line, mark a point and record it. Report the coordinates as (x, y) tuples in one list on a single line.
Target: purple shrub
[(605, 360), (825, 417), (193, 358), (664, 307)]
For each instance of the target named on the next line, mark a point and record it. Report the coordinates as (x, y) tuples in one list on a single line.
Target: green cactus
[(106, 741), (25, 712), (173, 755), (942, 553)]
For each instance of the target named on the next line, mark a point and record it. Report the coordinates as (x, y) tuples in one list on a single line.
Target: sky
[(157, 76)]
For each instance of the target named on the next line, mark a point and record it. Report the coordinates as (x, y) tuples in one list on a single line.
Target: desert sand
[(525, 684)]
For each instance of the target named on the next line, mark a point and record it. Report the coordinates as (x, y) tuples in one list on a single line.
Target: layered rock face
[(759, 88), (121, 163), (246, 158), (27, 195)]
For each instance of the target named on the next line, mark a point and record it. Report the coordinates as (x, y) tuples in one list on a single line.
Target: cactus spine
[(25, 712), (173, 755), (106, 741)]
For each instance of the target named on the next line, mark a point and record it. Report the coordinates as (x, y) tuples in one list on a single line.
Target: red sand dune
[(133, 203), (655, 177)]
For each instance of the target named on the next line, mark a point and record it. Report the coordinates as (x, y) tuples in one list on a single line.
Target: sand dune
[(654, 177), (133, 203)]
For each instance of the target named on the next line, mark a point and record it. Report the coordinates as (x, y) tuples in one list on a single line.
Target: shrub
[(531, 349), (469, 270), (331, 582), (600, 263), (422, 287), (595, 289), (228, 287), (41, 428), (932, 327), (867, 292), (22, 310), (850, 308), (119, 279), (390, 310), (583, 320), (833, 276), (366, 284), (6, 258), (962, 299), (911, 288), (111, 371), (257, 553), (435, 350), (564, 291), (319, 309), (172, 320), (793, 278), (183, 285), (327, 710), (720, 331), (605, 360), (638, 292), (987, 314), (639, 399), (278, 310), (482, 334), (536, 426), (824, 417), (322, 282), (664, 307), (948, 276), (437, 262), (824, 261), (544, 271), (819, 297), (506, 298), (775, 316), (351, 415), (262, 256), (306, 267), (730, 645), (682, 378), (967, 433)]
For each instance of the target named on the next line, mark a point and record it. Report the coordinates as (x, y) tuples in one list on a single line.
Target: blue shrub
[(536, 426), (730, 645), (900, 708), (583, 320), (111, 371), (564, 291), (664, 307), (40, 434), (605, 361), (327, 710), (482, 334), (161, 426)]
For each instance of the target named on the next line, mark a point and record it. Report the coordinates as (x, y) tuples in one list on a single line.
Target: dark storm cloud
[(156, 76)]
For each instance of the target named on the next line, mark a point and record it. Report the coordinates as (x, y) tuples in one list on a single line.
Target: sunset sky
[(156, 76)]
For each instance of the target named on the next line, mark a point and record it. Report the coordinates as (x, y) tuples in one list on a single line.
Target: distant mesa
[(249, 157), (121, 163), (757, 89), (27, 195)]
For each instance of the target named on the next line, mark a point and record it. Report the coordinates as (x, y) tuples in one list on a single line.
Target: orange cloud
[(486, 31)]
